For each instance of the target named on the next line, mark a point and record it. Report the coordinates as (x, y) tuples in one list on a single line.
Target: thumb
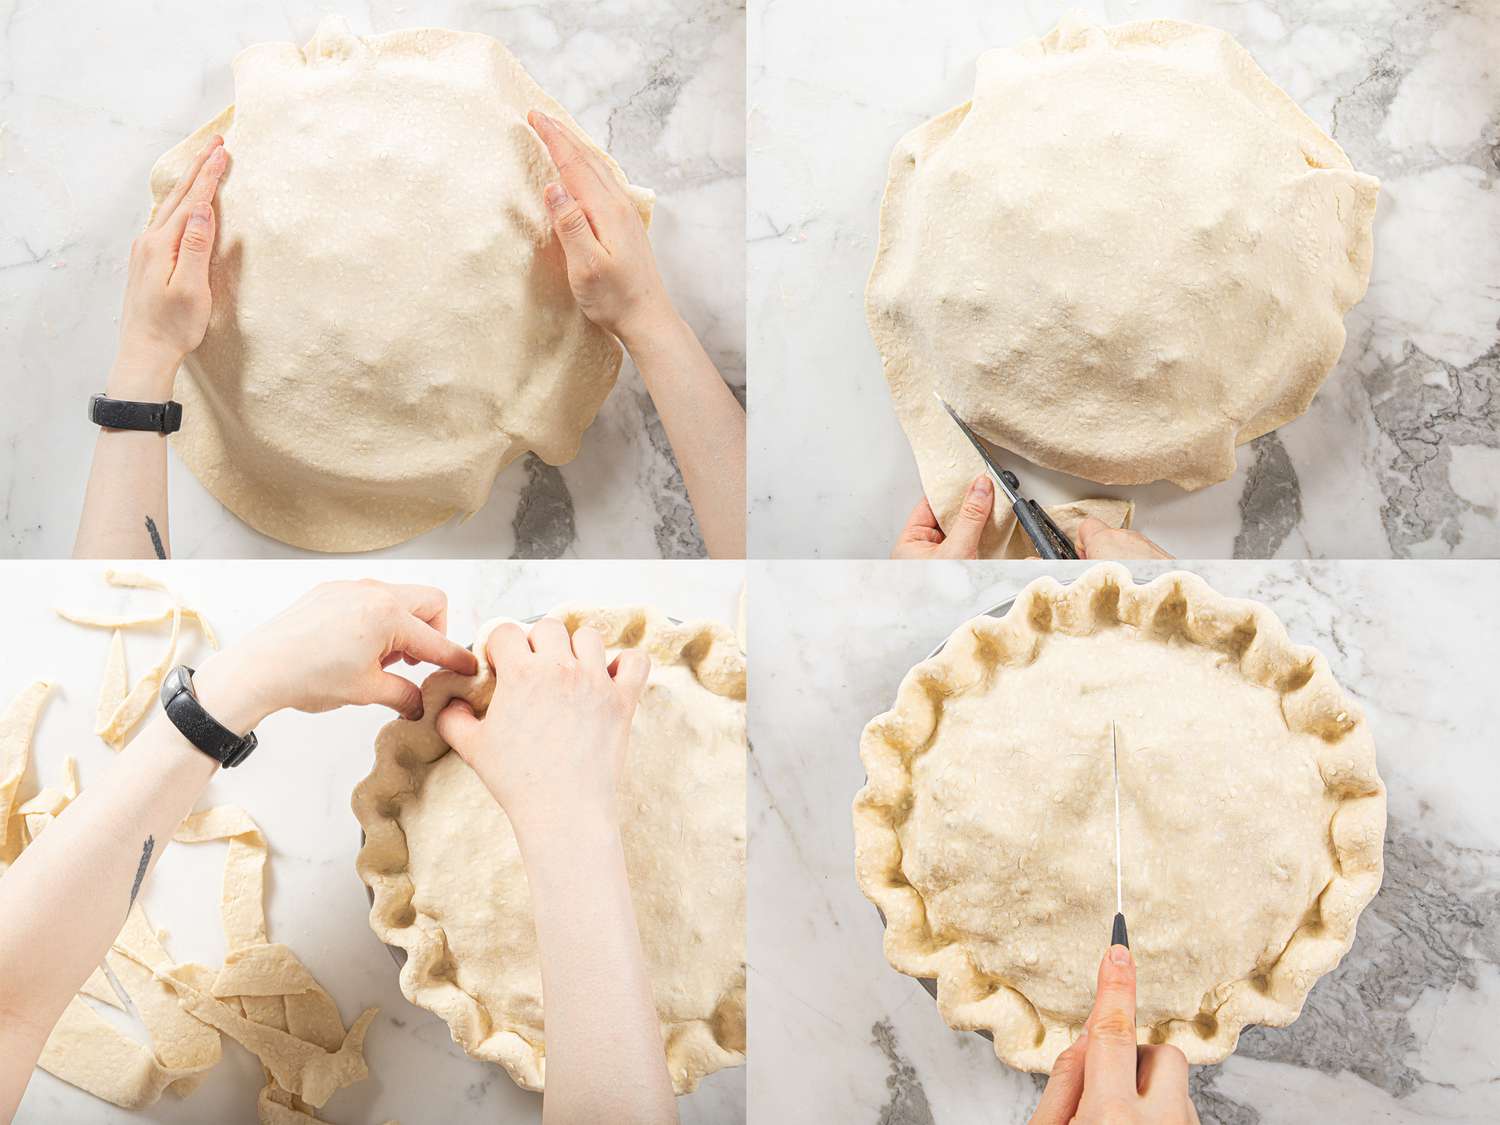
[(962, 539), (398, 693), (457, 726), (195, 249), (571, 224), (1087, 531), (630, 670)]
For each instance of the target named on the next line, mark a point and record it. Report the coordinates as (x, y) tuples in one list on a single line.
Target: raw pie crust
[(1252, 815), (450, 889), (1129, 252), (392, 323)]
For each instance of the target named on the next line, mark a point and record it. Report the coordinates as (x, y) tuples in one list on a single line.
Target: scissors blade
[(979, 448)]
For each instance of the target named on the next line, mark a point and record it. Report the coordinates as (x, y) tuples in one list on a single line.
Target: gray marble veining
[(1399, 454), (1401, 1031), (90, 96)]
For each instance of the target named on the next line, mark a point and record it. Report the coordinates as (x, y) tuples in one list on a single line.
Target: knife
[(1119, 935)]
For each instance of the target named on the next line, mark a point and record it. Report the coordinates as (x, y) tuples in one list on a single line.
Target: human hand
[(1104, 1078), (167, 299), (331, 648), (922, 538), (1097, 540), (551, 747), (611, 268)]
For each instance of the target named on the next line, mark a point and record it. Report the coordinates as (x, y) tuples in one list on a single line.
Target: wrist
[(230, 692), (650, 326), (143, 375), (567, 837)]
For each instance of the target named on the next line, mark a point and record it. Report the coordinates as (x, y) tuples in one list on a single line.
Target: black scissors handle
[(1042, 530)]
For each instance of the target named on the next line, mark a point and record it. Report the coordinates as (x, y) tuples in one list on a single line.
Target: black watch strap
[(122, 414), (200, 728)]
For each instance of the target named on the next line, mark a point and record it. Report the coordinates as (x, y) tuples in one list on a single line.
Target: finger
[(1088, 537), (922, 535), (588, 647), (922, 516), (458, 727), (1097, 540), (427, 602), (168, 206), (1161, 1074), (630, 670), (1064, 1087), (204, 187), (195, 249), (579, 242), (962, 539), (575, 164), (507, 648), (1111, 1049), (396, 692), (549, 639), (419, 640)]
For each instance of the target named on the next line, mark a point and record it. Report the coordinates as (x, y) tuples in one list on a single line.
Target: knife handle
[(1118, 935)]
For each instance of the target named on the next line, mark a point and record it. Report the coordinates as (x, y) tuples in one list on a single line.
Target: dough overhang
[(1129, 252), (392, 323)]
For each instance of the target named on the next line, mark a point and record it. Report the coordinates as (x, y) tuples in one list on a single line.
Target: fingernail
[(201, 214), (220, 155), (983, 486), (556, 196), (1084, 1034), (1119, 955), (544, 119)]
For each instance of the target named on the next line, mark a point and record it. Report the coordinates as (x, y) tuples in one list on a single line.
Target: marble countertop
[(1402, 1031), (1399, 454), (297, 788), (91, 95)]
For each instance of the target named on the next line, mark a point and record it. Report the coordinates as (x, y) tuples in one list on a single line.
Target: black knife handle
[(1118, 936)]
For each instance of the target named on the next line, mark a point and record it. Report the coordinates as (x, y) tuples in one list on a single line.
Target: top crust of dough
[(392, 323), (463, 914), (1127, 253), (1253, 817)]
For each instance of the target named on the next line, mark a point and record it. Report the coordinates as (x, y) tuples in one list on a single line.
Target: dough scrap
[(1253, 816), (120, 712), (449, 887), (1127, 254), (262, 995), (17, 726), (392, 322)]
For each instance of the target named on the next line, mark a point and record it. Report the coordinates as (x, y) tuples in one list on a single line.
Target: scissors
[(1040, 528)]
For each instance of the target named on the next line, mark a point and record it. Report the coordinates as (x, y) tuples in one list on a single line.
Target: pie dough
[(450, 889), (392, 323), (1252, 816), (1129, 253)]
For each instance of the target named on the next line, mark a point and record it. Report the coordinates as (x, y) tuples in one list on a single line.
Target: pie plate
[(398, 954)]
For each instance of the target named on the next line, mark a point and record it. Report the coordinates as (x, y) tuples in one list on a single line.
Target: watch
[(122, 414), (200, 728)]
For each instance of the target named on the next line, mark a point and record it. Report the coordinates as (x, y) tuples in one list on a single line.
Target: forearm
[(128, 479), (705, 424), (65, 898), (605, 1056)]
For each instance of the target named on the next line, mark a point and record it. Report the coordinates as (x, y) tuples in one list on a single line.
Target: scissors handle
[(1030, 517)]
